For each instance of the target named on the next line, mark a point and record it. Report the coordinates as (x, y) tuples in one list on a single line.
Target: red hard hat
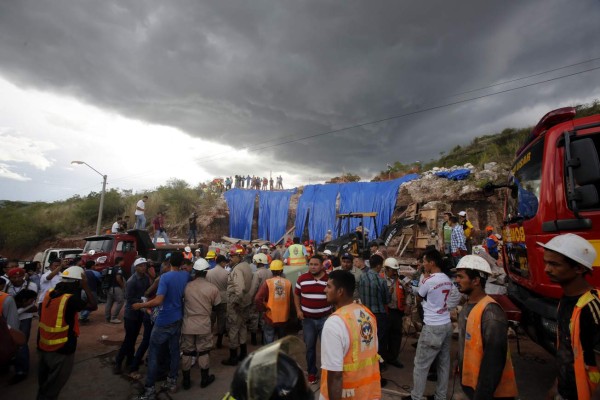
[(306, 243)]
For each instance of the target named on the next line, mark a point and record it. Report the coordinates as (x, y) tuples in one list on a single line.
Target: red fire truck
[(553, 189)]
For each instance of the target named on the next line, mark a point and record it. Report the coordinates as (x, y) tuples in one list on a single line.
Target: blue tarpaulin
[(273, 214), (241, 212), (318, 203), (379, 197), (456, 175)]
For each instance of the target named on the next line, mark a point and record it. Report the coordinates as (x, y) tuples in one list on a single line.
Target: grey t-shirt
[(494, 331)]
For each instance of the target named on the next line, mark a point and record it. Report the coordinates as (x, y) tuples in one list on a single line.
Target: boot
[(187, 381), (219, 341), (253, 338), (206, 378), (233, 358), (243, 352)]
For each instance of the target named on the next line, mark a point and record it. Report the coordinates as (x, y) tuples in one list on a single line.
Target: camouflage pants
[(253, 318), (236, 323), (195, 346)]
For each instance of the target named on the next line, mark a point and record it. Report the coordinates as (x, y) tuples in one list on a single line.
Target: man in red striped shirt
[(312, 309)]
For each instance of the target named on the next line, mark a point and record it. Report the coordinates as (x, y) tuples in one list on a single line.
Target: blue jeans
[(169, 334), (269, 332), (22, 357), (192, 235), (162, 234), (311, 329), (434, 341), (140, 222)]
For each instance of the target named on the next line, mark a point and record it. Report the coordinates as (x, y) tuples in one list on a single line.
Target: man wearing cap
[(210, 257), (17, 284), (201, 297), (240, 294), (327, 256), (262, 273), (187, 253), (59, 329), (135, 288), (484, 361), (348, 265), (467, 227), (568, 259), (273, 298), (491, 242), (219, 276), (193, 222), (395, 308)]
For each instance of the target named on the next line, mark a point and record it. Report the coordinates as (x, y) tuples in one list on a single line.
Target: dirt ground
[(93, 378)]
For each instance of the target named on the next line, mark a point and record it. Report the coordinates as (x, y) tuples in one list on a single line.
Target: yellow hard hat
[(211, 254), (276, 265)]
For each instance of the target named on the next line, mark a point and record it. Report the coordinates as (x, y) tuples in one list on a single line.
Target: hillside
[(26, 228)]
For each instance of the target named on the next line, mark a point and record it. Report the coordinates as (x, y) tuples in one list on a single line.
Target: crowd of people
[(253, 182), (355, 304)]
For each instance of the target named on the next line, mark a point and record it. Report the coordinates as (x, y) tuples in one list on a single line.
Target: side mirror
[(585, 163), (587, 196)]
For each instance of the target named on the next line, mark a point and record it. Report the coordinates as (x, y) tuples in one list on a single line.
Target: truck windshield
[(526, 177), (104, 245)]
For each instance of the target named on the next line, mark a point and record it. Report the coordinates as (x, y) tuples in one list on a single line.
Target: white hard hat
[(462, 213), (187, 249), (139, 261), (391, 262), (328, 252), (72, 273), (260, 258), (475, 263), (264, 247), (201, 265), (574, 247)]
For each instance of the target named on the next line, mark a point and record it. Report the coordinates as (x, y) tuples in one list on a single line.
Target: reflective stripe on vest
[(54, 333), (473, 354), (278, 303), (586, 377), (296, 255), (360, 375)]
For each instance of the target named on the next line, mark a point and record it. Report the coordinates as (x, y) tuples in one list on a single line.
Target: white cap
[(201, 264), (328, 252), (475, 263), (72, 273), (187, 249), (391, 262), (139, 261), (574, 247), (260, 258), (462, 213)]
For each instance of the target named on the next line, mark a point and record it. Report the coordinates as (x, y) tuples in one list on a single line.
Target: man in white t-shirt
[(117, 225), (50, 279), (438, 295), (140, 217), (352, 325)]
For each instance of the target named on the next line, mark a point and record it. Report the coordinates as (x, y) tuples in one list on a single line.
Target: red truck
[(104, 249), (553, 189)]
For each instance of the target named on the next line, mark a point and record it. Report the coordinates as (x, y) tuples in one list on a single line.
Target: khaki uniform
[(254, 317), (196, 341), (219, 276), (241, 288)]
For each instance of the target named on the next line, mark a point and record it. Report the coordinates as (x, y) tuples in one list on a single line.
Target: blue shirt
[(171, 285)]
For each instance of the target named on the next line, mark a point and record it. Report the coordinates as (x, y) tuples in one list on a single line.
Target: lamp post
[(101, 195)]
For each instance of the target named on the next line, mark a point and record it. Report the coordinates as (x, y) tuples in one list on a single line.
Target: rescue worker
[(491, 242), (327, 264), (262, 273), (200, 298), (59, 329), (265, 250), (328, 236), (197, 255), (484, 361), (211, 258), (395, 309), (345, 372), (187, 253), (273, 298), (240, 294), (568, 259), (468, 230), (219, 276), (296, 254)]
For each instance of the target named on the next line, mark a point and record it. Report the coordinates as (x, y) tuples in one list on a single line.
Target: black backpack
[(109, 277)]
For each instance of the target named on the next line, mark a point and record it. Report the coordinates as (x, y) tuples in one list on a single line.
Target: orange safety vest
[(3, 296), (473, 353), (54, 331), (361, 379), (296, 255), (188, 256), (278, 303), (399, 294), (587, 377)]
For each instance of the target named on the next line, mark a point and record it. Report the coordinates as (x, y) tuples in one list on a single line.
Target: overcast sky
[(148, 90)]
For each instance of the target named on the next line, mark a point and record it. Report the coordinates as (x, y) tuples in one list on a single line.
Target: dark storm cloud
[(249, 72)]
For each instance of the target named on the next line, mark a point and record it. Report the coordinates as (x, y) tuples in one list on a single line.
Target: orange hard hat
[(489, 228)]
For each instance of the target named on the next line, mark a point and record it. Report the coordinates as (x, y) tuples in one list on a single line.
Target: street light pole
[(101, 208)]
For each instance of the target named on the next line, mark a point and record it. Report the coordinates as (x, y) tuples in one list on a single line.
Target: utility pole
[(101, 208)]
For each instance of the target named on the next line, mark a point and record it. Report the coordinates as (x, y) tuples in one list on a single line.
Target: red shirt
[(312, 295)]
